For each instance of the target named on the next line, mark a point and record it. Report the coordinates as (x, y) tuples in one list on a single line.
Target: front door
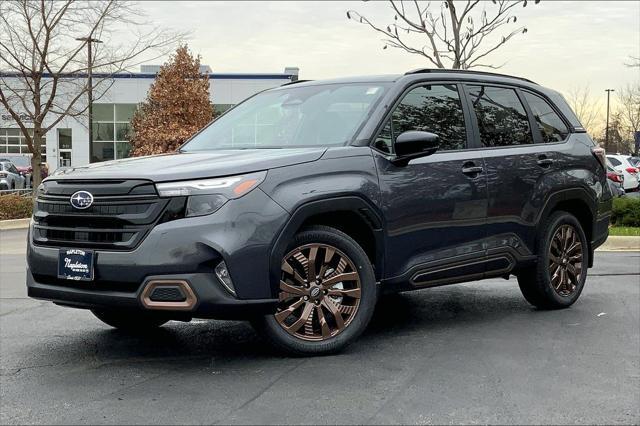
[(435, 206), (64, 147)]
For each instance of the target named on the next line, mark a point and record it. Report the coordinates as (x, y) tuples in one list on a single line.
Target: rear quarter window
[(614, 161), (551, 126)]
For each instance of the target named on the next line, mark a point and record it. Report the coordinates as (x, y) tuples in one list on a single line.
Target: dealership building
[(67, 144)]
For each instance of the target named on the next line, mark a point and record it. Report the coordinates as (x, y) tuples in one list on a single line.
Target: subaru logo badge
[(81, 200)]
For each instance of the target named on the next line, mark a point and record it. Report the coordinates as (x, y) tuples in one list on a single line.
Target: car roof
[(421, 73), (344, 80)]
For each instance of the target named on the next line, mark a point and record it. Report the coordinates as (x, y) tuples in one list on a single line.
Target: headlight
[(208, 195)]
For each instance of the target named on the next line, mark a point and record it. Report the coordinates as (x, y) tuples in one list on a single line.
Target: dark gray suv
[(300, 206)]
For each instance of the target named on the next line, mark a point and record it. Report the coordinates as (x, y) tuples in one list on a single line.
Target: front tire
[(558, 278), (327, 294), (130, 321)]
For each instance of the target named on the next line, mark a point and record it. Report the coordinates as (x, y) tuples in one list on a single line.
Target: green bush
[(626, 212), (15, 207)]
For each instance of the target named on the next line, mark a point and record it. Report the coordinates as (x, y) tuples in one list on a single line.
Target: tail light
[(599, 153), (632, 170), (614, 177)]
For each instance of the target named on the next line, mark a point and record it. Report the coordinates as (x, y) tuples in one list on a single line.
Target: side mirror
[(414, 144)]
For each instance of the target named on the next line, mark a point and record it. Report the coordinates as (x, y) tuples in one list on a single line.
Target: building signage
[(25, 118)]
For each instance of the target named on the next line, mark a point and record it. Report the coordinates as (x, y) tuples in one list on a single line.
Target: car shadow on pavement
[(397, 317)]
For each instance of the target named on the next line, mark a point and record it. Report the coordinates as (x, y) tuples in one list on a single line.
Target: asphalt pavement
[(467, 353)]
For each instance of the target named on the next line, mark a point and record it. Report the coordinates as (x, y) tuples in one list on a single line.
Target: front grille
[(121, 214)]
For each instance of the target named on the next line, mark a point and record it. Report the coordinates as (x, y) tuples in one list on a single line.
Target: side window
[(433, 108), (502, 120), (549, 123), (614, 161)]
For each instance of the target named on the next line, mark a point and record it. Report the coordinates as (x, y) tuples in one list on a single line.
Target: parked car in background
[(10, 177), (347, 188), (615, 179), (23, 164), (630, 172)]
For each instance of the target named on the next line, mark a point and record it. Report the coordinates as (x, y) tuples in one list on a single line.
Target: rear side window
[(614, 161), (502, 119), (550, 124), (431, 108)]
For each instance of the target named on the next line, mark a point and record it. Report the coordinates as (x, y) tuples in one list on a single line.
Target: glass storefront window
[(102, 131), (124, 112), (13, 142), (122, 131), (102, 112), (123, 149), (111, 130), (103, 151)]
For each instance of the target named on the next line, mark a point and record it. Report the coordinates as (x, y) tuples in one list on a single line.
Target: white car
[(10, 177), (630, 172)]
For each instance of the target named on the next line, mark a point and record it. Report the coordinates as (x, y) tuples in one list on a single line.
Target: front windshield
[(316, 115)]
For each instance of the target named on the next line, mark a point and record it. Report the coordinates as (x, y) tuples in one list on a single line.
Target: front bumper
[(212, 301), (241, 233)]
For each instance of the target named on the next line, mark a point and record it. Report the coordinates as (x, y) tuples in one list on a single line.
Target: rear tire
[(558, 278), (327, 294), (130, 321)]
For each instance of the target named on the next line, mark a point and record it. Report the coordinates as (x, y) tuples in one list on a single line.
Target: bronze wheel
[(320, 292), (565, 260)]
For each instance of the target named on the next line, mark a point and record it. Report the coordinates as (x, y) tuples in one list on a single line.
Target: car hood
[(192, 165)]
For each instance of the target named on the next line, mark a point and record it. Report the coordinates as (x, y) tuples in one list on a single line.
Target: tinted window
[(549, 123), (436, 109), (502, 120), (614, 161)]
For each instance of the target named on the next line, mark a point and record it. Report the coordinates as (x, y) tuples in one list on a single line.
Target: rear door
[(520, 163), (435, 206)]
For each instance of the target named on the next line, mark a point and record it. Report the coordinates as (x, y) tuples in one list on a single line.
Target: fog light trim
[(187, 305), (223, 276)]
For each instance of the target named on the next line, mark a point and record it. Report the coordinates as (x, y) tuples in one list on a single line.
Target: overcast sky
[(568, 44)]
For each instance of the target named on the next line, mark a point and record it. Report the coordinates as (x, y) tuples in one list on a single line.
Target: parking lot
[(470, 353)]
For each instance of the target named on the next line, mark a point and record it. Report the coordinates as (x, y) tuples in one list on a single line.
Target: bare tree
[(453, 37), (628, 111), (43, 55), (586, 107), (634, 62)]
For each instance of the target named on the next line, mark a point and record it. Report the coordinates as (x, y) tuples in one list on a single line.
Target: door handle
[(472, 170), (545, 162)]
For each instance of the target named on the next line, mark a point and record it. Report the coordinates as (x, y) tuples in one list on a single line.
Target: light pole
[(606, 132), (90, 41)]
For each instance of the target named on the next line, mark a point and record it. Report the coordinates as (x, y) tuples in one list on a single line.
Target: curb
[(619, 243), (14, 224)]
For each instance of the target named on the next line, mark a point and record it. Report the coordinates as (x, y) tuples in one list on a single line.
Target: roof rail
[(442, 70), (294, 82)]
